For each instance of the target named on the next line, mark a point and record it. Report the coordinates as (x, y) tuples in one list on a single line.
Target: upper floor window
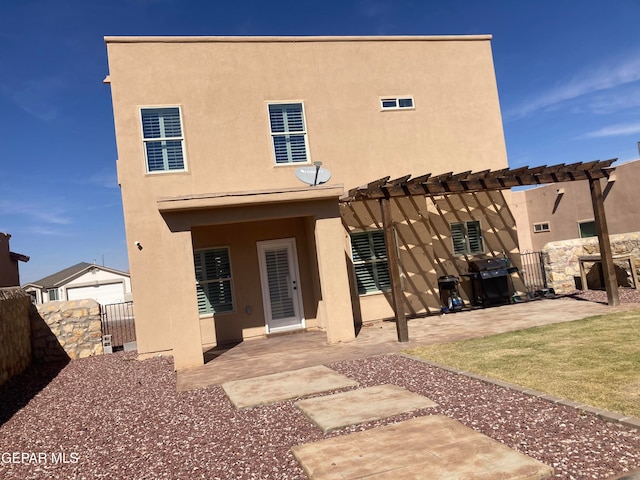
[(213, 280), (289, 133), (163, 140), (369, 254), (396, 103), (541, 227), (467, 238)]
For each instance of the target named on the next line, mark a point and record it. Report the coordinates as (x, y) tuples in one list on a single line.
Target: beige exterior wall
[(563, 212), (232, 193)]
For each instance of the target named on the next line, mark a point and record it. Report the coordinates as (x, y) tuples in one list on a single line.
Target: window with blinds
[(466, 238), (288, 132), (163, 140), (369, 254), (396, 103), (213, 281)]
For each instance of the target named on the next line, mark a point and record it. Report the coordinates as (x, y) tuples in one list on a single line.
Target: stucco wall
[(561, 258), (423, 237), (15, 332)]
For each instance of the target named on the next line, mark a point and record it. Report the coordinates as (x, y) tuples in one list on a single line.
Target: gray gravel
[(116, 417)]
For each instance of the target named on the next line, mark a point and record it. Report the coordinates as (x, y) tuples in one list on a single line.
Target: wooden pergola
[(429, 185)]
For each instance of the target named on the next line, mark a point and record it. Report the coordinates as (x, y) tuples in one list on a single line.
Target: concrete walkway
[(432, 447), (257, 357), (262, 371)]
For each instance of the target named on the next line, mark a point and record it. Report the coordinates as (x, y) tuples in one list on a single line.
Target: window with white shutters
[(213, 281), (369, 254), (163, 139), (466, 238), (288, 132)]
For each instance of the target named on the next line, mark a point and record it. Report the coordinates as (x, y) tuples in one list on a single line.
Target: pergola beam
[(480, 181)]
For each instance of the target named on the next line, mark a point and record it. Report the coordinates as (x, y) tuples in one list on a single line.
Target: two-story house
[(225, 243)]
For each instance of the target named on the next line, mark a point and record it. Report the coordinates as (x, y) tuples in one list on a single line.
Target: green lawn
[(594, 361)]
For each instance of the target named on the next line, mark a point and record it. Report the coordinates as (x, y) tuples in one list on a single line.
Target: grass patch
[(595, 361)]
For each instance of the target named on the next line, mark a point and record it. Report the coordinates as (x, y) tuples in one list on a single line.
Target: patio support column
[(394, 270), (610, 280), (335, 311)]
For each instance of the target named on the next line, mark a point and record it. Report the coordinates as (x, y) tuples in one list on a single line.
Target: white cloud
[(603, 77), (42, 212), (615, 101), (47, 232), (615, 130), (37, 97), (105, 178)]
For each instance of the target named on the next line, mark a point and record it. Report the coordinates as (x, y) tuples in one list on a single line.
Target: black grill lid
[(484, 264)]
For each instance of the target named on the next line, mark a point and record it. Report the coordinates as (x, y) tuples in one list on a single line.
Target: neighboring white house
[(84, 280)]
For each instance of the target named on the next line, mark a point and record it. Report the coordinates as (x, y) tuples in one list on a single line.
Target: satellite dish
[(313, 176)]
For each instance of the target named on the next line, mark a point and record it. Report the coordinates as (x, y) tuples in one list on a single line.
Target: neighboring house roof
[(68, 274)]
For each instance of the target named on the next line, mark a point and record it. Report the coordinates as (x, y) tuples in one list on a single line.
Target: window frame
[(229, 279), (303, 133), (180, 138), (583, 222), (466, 236), (542, 228), (397, 99), (377, 262), (56, 294)]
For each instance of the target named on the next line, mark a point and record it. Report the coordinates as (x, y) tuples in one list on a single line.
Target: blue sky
[(568, 75)]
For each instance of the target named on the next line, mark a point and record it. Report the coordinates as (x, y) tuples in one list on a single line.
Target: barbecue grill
[(490, 280)]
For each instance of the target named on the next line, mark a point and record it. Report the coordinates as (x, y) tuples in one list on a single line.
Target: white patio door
[(281, 294)]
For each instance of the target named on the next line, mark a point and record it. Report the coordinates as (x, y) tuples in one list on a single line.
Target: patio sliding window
[(467, 238), (369, 255), (163, 139), (213, 281), (288, 133)]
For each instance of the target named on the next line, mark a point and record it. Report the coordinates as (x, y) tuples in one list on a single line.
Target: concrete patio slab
[(282, 386), (432, 447), (359, 406), (263, 356)]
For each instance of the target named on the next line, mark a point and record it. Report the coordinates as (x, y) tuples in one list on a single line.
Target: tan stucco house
[(226, 243), (556, 212)]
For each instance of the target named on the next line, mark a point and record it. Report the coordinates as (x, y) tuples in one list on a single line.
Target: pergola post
[(608, 270), (394, 270)]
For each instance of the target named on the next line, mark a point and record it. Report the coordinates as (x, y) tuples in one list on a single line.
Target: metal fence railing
[(533, 273), (118, 322)]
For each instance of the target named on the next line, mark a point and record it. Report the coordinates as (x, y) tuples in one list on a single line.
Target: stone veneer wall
[(15, 332), (63, 330), (561, 258)]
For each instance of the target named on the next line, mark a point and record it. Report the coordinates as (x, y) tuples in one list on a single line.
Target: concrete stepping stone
[(433, 447), (359, 406), (278, 387)]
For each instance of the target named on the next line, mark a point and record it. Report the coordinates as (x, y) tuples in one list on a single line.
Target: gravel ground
[(115, 417)]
